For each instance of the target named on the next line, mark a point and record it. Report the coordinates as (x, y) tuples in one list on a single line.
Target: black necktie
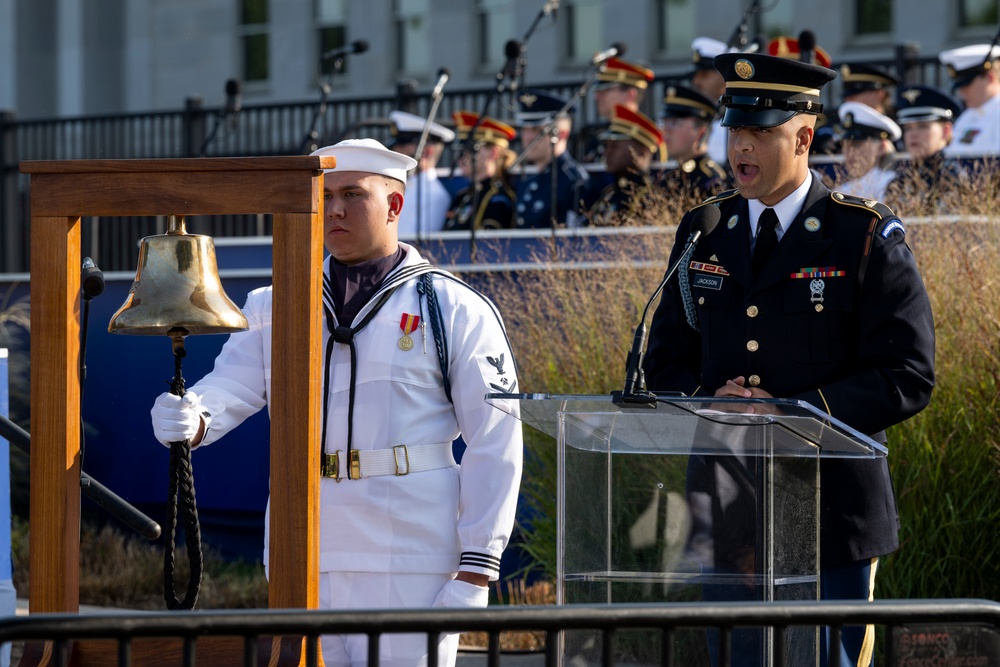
[(767, 239)]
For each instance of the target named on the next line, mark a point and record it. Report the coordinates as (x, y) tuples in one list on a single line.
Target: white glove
[(458, 594), (177, 418)]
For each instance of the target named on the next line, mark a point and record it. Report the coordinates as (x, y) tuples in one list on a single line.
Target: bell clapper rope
[(181, 496)]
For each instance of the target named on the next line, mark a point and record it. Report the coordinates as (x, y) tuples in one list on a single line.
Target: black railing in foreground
[(935, 621)]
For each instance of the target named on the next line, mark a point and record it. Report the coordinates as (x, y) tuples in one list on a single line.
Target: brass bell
[(176, 291)]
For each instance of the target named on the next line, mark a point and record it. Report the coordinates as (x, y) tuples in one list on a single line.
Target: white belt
[(398, 460)]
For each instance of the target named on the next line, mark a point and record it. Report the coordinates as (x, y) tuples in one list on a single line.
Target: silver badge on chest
[(816, 288)]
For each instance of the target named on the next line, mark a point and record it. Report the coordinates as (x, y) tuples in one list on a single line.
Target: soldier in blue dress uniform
[(706, 79), (862, 83), (541, 113), (488, 202), (619, 83), (869, 85), (930, 181), (824, 305), (687, 119), (632, 140)]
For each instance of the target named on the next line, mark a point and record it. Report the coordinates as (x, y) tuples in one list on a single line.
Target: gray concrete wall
[(105, 56)]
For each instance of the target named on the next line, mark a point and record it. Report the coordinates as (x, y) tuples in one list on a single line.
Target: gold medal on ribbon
[(407, 323)]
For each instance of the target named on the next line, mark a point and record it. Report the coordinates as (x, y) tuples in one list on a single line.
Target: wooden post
[(54, 558)]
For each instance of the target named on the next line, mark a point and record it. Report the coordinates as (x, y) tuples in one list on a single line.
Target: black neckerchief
[(353, 285)]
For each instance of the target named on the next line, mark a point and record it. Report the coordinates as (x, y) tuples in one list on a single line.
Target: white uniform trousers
[(375, 590)]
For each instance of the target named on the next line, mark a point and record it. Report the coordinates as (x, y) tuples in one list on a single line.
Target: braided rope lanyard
[(180, 492), (685, 284), (425, 288)]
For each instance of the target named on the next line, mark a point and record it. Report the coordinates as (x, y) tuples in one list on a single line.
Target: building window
[(675, 20), (331, 26), (412, 27), (582, 36), (253, 26), (495, 26), (974, 13), (872, 17), (777, 21)]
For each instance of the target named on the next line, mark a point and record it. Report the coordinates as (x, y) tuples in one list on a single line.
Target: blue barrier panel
[(124, 376)]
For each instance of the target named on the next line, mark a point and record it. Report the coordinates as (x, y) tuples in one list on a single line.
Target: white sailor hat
[(860, 121), (966, 63), (407, 128), (369, 156)]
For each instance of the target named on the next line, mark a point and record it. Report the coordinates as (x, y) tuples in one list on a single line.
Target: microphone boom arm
[(547, 128), (90, 487), (635, 390), (739, 37), (427, 128)]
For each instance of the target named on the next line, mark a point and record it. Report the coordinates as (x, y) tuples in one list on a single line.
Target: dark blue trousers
[(854, 581)]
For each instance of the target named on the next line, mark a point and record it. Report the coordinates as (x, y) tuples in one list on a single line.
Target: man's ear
[(804, 139), (395, 205)]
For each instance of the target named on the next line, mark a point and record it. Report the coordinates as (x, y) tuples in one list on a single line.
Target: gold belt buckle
[(355, 464), (330, 466), (406, 459)]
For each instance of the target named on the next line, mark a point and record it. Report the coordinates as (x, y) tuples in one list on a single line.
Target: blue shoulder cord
[(425, 288)]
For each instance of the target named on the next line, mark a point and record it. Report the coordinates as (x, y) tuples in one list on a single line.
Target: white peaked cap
[(407, 123), (969, 56), (859, 114), (708, 47), (368, 155)]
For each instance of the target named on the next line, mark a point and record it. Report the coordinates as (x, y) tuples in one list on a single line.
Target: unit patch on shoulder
[(891, 227)]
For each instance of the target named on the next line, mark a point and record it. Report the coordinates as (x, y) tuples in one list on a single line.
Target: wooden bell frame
[(290, 188)]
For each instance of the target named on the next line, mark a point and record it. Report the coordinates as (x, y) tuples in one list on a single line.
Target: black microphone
[(443, 75), (359, 46), (807, 46), (616, 49), (91, 279), (513, 50), (233, 103), (705, 220)]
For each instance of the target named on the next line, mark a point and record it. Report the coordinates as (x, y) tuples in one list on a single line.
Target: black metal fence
[(912, 632), (257, 130)]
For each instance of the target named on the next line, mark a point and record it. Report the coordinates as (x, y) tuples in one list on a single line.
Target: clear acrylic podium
[(693, 499)]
